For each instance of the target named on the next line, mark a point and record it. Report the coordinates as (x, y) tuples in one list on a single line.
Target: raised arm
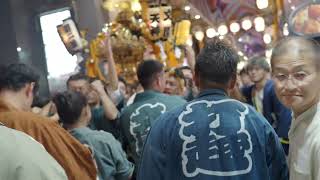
[(110, 110), (112, 75)]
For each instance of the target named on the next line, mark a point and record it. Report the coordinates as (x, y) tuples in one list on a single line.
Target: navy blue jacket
[(213, 137), (273, 110)]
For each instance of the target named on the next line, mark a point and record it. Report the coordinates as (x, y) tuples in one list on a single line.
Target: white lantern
[(246, 24), (199, 35), (259, 24), (262, 4), (222, 30), (234, 27), (267, 38), (211, 32)]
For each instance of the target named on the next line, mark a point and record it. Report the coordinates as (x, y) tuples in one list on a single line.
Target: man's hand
[(106, 47), (98, 86), (46, 111)]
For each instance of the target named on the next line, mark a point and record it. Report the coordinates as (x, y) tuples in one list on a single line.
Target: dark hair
[(121, 79), (78, 76), (244, 71), (259, 61), (217, 62), (176, 72), (185, 68), (302, 44), (40, 101), (147, 70), (16, 76), (69, 105)]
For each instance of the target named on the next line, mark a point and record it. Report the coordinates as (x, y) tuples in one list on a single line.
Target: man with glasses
[(296, 73)]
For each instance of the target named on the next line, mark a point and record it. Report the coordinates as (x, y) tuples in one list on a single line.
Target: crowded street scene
[(160, 90)]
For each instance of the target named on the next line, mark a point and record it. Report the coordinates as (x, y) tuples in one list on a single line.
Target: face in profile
[(296, 80)]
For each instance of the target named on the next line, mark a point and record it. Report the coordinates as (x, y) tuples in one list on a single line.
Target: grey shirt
[(109, 155), (23, 158)]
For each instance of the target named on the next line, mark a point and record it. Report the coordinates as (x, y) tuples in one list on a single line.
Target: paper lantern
[(182, 31), (70, 36)]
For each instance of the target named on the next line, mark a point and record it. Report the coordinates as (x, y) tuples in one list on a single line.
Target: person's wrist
[(103, 94)]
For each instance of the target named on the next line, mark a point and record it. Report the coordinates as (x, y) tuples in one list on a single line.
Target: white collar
[(304, 117)]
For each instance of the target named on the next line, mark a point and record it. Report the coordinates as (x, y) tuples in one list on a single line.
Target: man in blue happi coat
[(262, 96), (213, 136), (137, 119)]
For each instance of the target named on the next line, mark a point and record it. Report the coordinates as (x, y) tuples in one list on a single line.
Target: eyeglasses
[(295, 77)]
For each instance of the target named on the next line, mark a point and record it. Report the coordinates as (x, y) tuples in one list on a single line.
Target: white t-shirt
[(258, 99), (304, 152), (23, 158)]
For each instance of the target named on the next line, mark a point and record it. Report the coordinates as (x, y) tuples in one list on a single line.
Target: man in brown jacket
[(18, 84)]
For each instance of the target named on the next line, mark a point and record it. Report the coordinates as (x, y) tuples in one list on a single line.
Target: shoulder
[(104, 140), (269, 87), (126, 111), (246, 90), (24, 119), (169, 118), (95, 135), (175, 97), (103, 135), (315, 146), (171, 100), (21, 152), (21, 115)]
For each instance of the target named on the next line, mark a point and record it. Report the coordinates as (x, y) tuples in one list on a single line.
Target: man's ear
[(157, 79), (233, 81), (196, 79), (29, 89)]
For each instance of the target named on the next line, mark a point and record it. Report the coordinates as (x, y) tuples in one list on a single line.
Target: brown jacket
[(75, 158)]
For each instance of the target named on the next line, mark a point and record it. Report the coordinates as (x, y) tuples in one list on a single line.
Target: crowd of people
[(203, 121)]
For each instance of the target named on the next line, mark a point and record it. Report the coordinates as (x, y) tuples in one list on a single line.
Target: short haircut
[(175, 72), (300, 44), (15, 76), (147, 70), (185, 68), (259, 61), (40, 101), (244, 71), (121, 79), (78, 76), (217, 62), (69, 105)]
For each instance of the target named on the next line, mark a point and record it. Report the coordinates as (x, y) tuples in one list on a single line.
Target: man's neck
[(213, 86), (13, 100), (80, 124), (260, 85), (297, 113), (152, 89)]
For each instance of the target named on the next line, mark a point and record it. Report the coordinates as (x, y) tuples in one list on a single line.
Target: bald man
[(296, 73)]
